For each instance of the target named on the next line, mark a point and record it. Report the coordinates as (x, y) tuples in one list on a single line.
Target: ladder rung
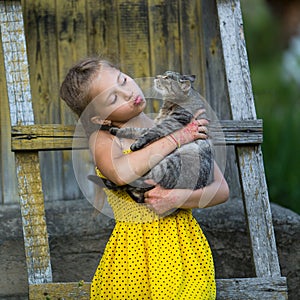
[(266, 288), (60, 137)]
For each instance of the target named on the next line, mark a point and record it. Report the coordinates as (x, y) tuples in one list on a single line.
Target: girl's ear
[(98, 120)]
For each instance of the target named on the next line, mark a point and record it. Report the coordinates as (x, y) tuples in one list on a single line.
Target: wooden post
[(255, 192), (244, 131), (8, 184), (28, 168)]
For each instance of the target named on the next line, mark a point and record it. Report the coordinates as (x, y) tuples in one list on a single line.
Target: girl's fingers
[(203, 136), (150, 182), (198, 113), (202, 122), (202, 129)]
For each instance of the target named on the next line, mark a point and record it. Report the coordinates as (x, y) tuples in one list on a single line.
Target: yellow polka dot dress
[(149, 257)]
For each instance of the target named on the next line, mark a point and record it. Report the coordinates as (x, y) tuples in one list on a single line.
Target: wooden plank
[(44, 130), (33, 218), (215, 90), (102, 28), (164, 36), (133, 37), (8, 184), (27, 164), (267, 288), (45, 144), (15, 62), (250, 159), (71, 42), (40, 28), (191, 42), (58, 130), (57, 291), (234, 132), (233, 289), (61, 137), (47, 137), (72, 46)]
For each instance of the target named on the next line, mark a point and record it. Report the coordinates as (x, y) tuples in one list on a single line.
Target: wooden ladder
[(244, 131)]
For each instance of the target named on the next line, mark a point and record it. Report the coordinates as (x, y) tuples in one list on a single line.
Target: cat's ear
[(191, 78), (98, 120)]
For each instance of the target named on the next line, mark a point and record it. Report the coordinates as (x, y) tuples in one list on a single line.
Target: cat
[(191, 165)]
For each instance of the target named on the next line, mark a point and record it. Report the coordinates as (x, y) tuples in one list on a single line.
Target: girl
[(147, 256)]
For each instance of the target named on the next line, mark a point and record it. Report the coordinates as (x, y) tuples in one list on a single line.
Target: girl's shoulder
[(104, 148), (101, 135), (102, 139)]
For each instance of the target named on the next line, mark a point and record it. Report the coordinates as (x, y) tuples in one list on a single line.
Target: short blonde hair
[(75, 89)]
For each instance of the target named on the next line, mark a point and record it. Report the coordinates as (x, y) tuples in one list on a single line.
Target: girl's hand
[(196, 129), (162, 200)]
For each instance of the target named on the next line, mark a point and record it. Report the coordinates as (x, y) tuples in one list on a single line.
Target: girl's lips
[(138, 100)]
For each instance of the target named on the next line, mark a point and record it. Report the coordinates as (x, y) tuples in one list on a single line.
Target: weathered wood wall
[(148, 38), (144, 37)]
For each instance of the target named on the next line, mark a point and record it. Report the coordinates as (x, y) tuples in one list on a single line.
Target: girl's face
[(116, 96)]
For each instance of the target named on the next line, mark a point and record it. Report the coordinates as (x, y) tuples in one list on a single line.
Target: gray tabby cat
[(189, 166)]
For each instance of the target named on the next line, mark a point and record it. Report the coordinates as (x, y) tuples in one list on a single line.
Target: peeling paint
[(16, 64), (33, 218)]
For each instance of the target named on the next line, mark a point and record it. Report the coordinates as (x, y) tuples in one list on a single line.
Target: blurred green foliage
[(277, 103)]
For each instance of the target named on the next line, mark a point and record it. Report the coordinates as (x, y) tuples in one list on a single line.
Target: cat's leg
[(188, 167), (104, 183), (164, 173), (167, 126), (196, 165), (206, 158), (128, 132), (182, 116), (135, 192)]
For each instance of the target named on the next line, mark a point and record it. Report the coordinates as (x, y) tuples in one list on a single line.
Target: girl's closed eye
[(123, 80), (114, 99)]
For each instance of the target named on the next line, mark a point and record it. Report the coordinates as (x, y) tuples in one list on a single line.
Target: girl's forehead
[(104, 81)]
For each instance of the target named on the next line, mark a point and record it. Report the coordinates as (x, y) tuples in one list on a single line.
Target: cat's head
[(173, 84)]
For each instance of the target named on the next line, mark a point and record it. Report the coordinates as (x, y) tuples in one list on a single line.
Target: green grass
[(277, 103)]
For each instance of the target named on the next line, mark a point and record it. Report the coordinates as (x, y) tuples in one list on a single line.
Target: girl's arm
[(162, 200), (123, 169)]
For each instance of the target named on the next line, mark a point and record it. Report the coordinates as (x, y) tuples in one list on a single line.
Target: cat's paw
[(114, 130), (137, 145), (184, 117)]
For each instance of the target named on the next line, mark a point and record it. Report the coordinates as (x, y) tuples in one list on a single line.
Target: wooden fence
[(149, 37), (155, 36)]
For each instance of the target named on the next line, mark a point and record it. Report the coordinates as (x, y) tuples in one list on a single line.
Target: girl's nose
[(127, 94)]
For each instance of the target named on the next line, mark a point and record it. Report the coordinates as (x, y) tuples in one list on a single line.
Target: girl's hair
[(75, 88)]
